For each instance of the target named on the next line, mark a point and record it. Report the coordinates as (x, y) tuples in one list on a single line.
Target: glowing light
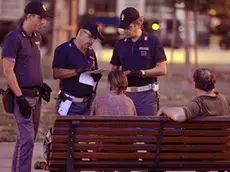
[(212, 12), (91, 11), (155, 26)]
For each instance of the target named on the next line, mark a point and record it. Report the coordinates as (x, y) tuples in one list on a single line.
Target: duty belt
[(33, 92), (154, 87), (76, 99)]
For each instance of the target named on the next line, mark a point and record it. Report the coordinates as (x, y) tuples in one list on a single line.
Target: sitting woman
[(115, 103)]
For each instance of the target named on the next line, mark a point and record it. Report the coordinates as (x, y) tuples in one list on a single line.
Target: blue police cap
[(36, 7), (128, 16), (94, 29)]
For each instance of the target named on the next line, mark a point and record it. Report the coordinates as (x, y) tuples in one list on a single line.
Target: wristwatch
[(143, 73)]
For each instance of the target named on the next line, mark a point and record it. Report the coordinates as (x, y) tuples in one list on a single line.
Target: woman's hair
[(204, 79), (118, 81)]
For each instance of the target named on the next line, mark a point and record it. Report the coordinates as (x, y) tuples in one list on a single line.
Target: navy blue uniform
[(140, 55), (24, 50), (68, 56)]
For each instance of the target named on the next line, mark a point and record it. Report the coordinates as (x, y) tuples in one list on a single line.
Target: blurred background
[(194, 33)]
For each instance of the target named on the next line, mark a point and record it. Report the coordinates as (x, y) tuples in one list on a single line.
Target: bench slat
[(167, 165), (207, 140), (98, 138), (134, 131), (146, 155), (110, 124), (107, 131), (148, 147), (210, 126), (147, 139)]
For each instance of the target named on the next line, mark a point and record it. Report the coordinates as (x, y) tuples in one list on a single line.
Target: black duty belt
[(32, 92)]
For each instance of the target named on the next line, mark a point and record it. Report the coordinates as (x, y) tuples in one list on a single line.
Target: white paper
[(86, 78)]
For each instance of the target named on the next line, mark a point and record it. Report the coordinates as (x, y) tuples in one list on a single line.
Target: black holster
[(8, 100), (45, 92)]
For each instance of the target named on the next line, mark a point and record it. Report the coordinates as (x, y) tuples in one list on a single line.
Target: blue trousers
[(145, 102)]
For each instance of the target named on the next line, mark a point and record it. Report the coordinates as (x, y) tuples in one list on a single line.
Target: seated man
[(207, 101), (115, 103)]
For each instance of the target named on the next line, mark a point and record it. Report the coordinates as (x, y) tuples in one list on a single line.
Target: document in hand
[(86, 78)]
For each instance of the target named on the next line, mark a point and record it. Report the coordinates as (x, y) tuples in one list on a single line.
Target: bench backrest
[(139, 143)]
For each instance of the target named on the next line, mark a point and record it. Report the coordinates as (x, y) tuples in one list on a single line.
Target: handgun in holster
[(7, 100), (63, 97)]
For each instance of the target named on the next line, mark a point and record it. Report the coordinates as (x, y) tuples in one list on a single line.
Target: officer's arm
[(115, 68), (8, 70), (159, 70), (60, 73), (174, 113)]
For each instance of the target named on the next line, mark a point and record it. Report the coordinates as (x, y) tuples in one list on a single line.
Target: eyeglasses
[(90, 36)]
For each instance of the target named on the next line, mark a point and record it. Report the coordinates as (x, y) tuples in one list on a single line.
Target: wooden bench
[(139, 143)]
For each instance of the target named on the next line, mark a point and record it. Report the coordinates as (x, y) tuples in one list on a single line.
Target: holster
[(63, 97), (45, 92), (8, 100)]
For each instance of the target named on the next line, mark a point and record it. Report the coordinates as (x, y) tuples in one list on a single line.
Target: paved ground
[(6, 153)]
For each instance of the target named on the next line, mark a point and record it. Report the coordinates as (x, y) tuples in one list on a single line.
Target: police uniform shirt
[(140, 55), (68, 56), (24, 50)]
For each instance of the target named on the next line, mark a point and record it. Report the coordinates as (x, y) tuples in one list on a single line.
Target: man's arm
[(8, 70), (174, 113), (60, 73), (159, 70)]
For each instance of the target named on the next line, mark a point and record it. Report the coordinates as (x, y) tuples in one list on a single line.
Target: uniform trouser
[(145, 102), (26, 133), (76, 108)]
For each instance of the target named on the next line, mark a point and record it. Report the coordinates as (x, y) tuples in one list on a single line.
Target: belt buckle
[(134, 89)]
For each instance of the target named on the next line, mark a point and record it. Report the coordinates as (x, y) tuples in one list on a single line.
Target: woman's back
[(113, 104)]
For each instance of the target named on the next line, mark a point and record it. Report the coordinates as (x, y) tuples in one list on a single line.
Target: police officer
[(71, 59), (21, 66), (142, 58)]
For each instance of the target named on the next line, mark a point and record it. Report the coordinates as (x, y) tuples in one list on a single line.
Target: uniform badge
[(144, 48), (23, 34), (122, 17), (143, 53), (38, 44), (44, 7)]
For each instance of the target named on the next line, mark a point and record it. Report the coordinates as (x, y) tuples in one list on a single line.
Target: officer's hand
[(96, 76), (24, 106), (136, 73)]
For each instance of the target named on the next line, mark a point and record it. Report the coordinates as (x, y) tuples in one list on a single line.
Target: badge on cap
[(44, 7), (122, 17)]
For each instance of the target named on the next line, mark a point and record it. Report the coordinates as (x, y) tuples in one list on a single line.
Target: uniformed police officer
[(71, 59), (21, 66), (142, 57)]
